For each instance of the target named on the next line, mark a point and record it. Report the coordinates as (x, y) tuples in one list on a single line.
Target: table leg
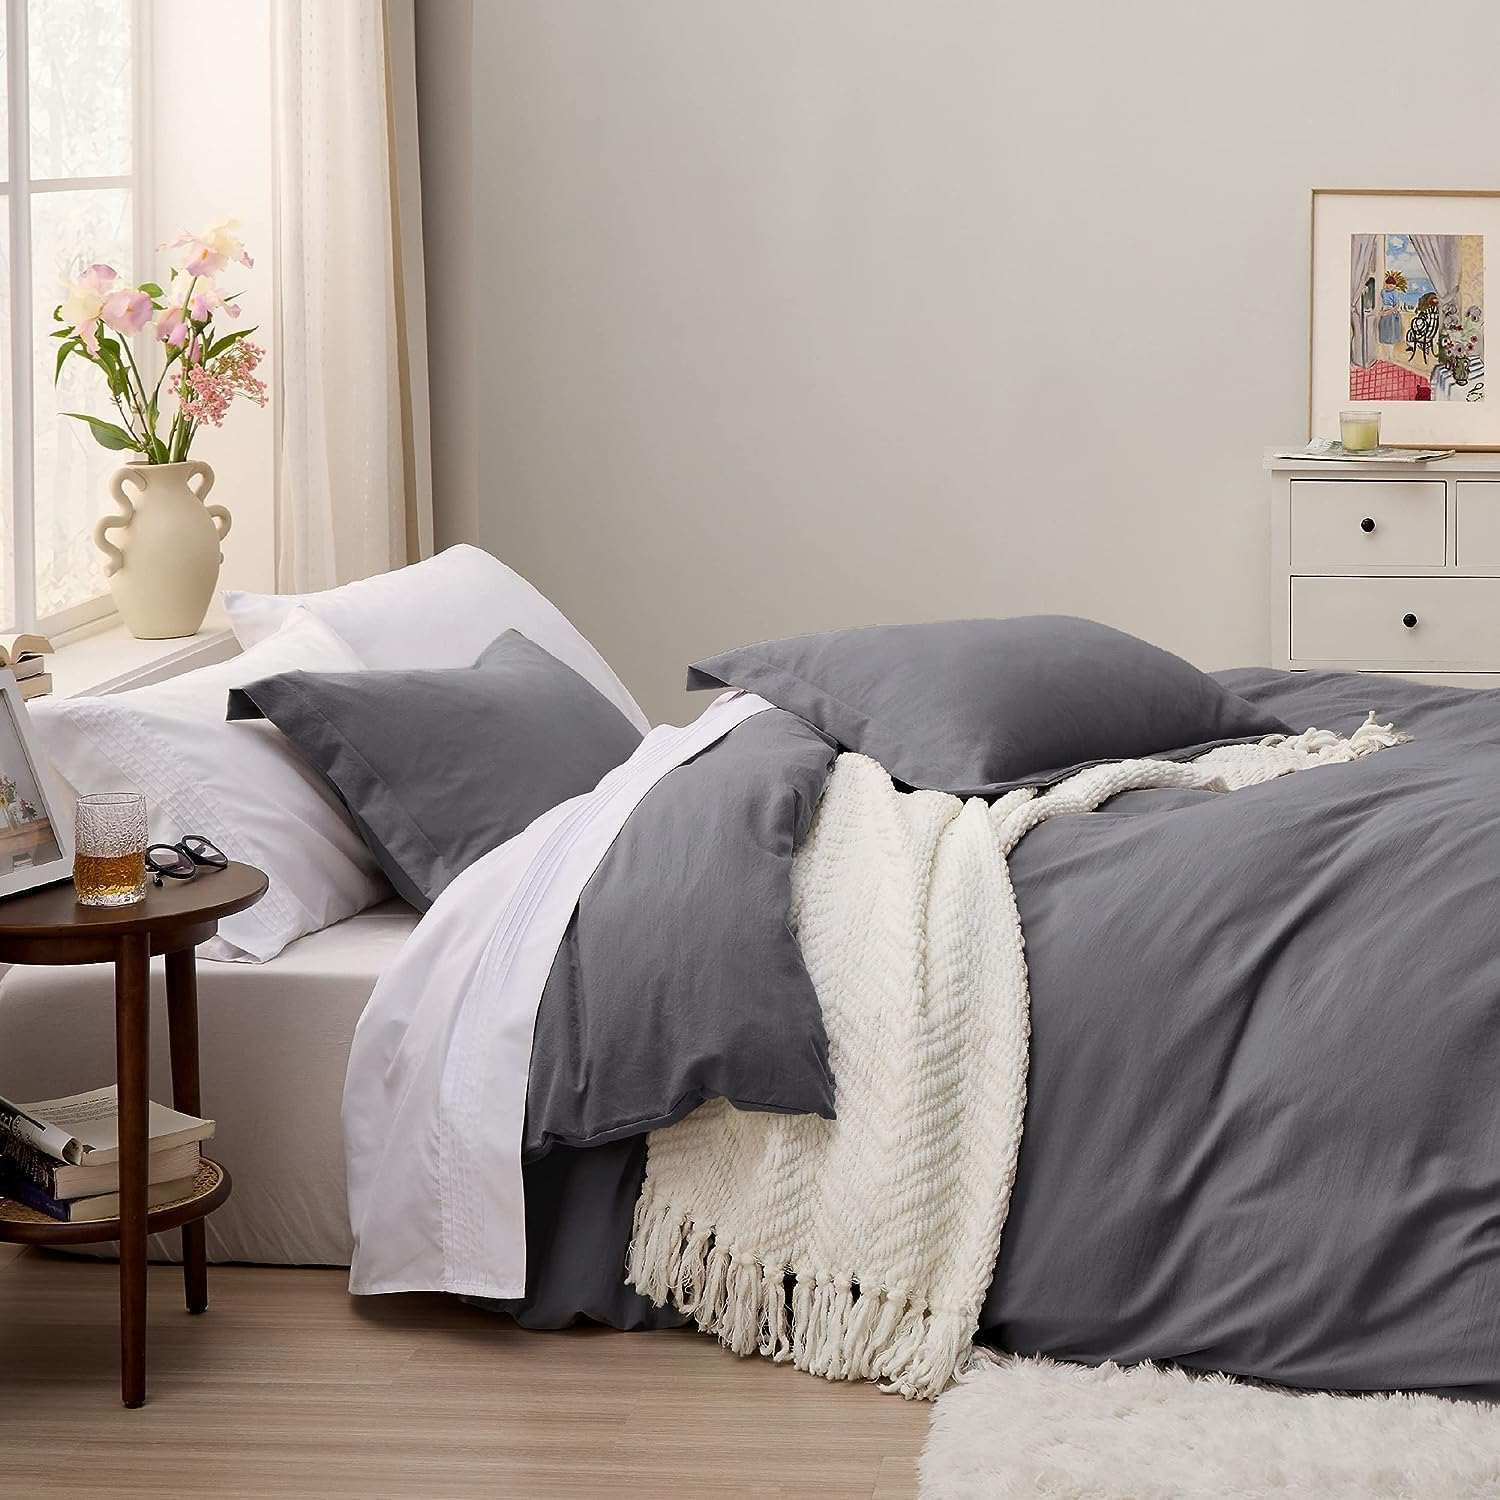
[(132, 1053), (182, 1022)]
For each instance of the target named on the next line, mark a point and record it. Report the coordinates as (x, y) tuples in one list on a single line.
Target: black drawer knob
[(1410, 621), (1368, 524)]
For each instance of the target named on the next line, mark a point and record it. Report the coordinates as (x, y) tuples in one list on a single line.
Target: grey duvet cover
[(1262, 1132)]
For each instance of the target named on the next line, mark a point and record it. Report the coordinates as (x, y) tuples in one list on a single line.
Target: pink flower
[(206, 396), (207, 253), (83, 304), (198, 296), (172, 328), (127, 310), (207, 390)]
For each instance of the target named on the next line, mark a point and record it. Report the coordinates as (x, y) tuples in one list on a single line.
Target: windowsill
[(106, 658)]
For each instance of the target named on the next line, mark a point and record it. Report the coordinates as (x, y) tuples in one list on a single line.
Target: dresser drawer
[(1456, 621), (1342, 524), (1478, 523)]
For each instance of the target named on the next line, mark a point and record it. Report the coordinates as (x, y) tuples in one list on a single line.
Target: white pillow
[(241, 785), (439, 613)]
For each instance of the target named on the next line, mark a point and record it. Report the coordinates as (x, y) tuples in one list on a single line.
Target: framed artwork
[(1402, 281), (36, 848)]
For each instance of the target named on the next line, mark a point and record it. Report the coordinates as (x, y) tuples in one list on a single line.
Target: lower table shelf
[(26, 1226)]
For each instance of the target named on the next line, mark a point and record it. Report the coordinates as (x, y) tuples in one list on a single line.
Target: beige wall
[(802, 313), (445, 130)]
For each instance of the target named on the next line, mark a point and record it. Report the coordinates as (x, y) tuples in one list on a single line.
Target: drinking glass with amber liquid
[(109, 850)]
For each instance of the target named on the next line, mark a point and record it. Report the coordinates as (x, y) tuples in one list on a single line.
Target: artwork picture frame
[(36, 842), (1401, 281)]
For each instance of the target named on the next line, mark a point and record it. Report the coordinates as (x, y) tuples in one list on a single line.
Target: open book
[(14, 648), (84, 1129)]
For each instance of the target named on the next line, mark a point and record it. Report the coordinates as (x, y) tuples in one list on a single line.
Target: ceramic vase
[(163, 559)]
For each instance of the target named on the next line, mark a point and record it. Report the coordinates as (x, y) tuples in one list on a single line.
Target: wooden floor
[(288, 1386)]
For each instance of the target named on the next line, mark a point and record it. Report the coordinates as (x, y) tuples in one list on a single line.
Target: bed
[(1006, 979), (1259, 1132)]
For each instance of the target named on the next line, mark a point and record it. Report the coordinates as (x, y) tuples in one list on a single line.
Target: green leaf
[(61, 333), (106, 434), (114, 369), (220, 345), (63, 351), (151, 289)]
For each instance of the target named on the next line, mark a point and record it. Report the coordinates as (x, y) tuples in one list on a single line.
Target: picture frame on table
[(36, 841), (1401, 283)]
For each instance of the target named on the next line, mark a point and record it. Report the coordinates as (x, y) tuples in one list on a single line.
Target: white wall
[(211, 158), (793, 315)]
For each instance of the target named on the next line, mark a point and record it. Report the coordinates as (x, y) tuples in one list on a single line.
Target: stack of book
[(26, 656), (62, 1156)]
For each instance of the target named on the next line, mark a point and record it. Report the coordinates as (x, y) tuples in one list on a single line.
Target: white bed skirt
[(273, 1045)]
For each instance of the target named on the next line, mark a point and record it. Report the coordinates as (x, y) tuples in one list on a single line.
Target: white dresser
[(1388, 568)]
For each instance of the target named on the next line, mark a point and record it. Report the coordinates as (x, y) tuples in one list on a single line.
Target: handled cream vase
[(163, 560)]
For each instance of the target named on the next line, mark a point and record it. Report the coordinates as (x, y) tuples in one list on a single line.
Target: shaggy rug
[(1033, 1427)]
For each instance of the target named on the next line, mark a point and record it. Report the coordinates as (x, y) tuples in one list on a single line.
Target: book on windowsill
[(37, 686), (28, 667), (84, 1129), (17, 648), (64, 1182), (84, 1210)]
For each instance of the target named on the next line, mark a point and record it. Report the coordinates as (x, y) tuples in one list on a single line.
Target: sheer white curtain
[(1439, 256), (353, 462)]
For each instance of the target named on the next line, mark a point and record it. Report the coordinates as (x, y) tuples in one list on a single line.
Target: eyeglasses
[(182, 861)]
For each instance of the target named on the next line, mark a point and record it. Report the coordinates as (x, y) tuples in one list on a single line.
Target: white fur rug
[(1036, 1428)]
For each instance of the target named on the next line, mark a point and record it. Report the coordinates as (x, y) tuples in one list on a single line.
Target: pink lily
[(212, 250), (84, 303), (172, 328), (127, 310), (199, 297)]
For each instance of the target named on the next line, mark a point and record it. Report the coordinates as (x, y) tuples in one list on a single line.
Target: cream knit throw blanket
[(861, 1247)]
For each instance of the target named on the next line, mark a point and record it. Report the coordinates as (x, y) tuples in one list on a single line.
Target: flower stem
[(148, 432)]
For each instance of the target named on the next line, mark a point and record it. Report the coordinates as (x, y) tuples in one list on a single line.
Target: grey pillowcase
[(439, 766), (976, 707)]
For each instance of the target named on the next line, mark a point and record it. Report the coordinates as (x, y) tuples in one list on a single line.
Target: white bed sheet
[(273, 1044)]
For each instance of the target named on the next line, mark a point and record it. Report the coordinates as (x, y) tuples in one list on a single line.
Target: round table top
[(54, 911)]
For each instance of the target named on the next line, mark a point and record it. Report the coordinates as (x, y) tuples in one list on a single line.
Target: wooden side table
[(50, 927)]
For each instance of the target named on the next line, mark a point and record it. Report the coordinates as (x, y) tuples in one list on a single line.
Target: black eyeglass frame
[(191, 854)]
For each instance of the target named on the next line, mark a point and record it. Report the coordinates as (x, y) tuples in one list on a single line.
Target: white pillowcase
[(241, 785), (442, 612)]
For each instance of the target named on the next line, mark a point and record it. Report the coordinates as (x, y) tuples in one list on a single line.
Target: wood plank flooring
[(288, 1386)]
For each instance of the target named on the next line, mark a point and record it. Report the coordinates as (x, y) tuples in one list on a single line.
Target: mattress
[(273, 1044)]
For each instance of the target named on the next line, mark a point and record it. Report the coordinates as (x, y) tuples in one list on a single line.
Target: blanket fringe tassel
[(828, 1326), (1329, 749)]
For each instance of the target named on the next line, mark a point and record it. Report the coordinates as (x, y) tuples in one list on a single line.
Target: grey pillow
[(439, 766), (976, 707)]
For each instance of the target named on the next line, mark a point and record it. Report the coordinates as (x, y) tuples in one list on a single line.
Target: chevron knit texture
[(861, 1247)]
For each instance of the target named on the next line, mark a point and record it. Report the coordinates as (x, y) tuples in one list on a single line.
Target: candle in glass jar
[(1359, 431)]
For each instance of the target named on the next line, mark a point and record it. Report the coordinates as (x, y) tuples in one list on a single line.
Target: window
[(69, 110)]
